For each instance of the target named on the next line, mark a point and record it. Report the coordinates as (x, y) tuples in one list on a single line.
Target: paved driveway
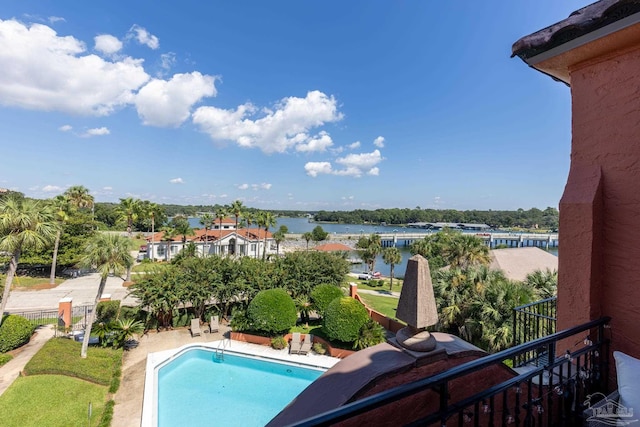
[(82, 289)]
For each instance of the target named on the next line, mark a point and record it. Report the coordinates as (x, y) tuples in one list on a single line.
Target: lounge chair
[(306, 344), (294, 347), (214, 325), (195, 327)]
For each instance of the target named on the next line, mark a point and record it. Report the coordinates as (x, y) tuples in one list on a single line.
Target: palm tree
[(109, 254), (60, 207), (24, 224), (169, 234), (151, 210), (268, 220), (544, 283), (279, 237), (237, 209), (250, 218), (369, 248), (307, 236), (79, 197), (206, 220), (220, 214), (391, 256), (129, 209)]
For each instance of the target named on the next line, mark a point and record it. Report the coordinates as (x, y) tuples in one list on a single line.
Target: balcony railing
[(552, 394), (530, 322)]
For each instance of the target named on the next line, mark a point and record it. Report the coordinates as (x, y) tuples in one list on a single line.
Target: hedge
[(272, 311), (322, 295), (344, 319), (14, 332)]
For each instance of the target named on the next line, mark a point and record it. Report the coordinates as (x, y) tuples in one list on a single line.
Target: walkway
[(11, 370)]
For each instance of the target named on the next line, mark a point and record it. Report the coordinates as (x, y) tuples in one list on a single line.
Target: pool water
[(198, 389)]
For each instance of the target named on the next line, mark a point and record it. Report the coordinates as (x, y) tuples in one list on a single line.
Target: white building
[(223, 239)]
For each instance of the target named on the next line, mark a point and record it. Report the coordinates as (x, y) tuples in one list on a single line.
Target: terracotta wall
[(599, 254)]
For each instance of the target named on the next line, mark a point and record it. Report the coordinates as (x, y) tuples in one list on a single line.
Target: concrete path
[(11, 370), (82, 289)]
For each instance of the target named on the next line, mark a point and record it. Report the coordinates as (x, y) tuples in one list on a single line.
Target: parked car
[(365, 276)]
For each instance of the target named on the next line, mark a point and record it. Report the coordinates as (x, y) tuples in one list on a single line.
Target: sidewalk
[(11, 370)]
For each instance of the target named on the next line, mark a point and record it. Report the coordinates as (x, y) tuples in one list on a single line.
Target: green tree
[(368, 248), (60, 207), (545, 283), (129, 209), (318, 234), (206, 220), (79, 197), (307, 236), (391, 256), (267, 220), (109, 254), (237, 209), (279, 236), (220, 213), (24, 223)]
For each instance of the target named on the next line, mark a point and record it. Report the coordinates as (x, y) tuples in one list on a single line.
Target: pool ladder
[(219, 355)]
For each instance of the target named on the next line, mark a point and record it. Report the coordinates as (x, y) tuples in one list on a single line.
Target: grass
[(4, 358), (61, 356), (376, 284), (29, 282), (51, 400), (381, 304)]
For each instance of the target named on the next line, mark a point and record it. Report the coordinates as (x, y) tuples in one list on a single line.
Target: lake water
[(302, 225)]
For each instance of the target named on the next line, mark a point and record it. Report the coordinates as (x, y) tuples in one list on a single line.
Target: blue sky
[(283, 105)]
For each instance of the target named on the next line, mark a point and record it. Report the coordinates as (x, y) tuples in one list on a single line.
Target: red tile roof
[(213, 235)]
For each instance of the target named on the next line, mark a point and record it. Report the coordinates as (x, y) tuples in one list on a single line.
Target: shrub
[(4, 358), (127, 312), (319, 348), (14, 332), (344, 318), (107, 311), (322, 295), (107, 414), (278, 343), (272, 311), (371, 334), (240, 321)]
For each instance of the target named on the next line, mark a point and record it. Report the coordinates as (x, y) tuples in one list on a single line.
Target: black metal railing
[(79, 316), (530, 322), (548, 395)]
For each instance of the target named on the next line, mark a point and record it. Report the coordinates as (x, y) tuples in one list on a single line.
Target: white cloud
[(319, 142), (176, 181), (65, 128), (167, 60), (54, 19), (243, 186), (96, 132), (348, 197), (354, 145), (354, 165), (379, 142), (277, 130), (52, 189), (144, 37), (107, 188), (40, 70), (315, 168), (262, 186), (107, 44), (169, 102)]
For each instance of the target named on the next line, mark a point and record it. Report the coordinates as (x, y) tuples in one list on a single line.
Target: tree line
[(532, 218)]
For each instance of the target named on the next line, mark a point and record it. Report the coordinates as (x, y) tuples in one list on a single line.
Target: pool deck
[(159, 346)]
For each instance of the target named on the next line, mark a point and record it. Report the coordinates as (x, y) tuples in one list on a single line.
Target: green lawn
[(62, 356), (376, 285), (381, 304), (51, 400), (29, 282)]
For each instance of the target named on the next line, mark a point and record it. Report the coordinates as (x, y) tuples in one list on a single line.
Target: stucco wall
[(599, 269)]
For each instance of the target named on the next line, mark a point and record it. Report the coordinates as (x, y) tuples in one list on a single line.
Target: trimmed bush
[(14, 332), (371, 334), (278, 343), (322, 295), (344, 319), (272, 311)]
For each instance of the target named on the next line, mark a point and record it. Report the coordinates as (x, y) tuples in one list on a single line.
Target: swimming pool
[(194, 387)]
